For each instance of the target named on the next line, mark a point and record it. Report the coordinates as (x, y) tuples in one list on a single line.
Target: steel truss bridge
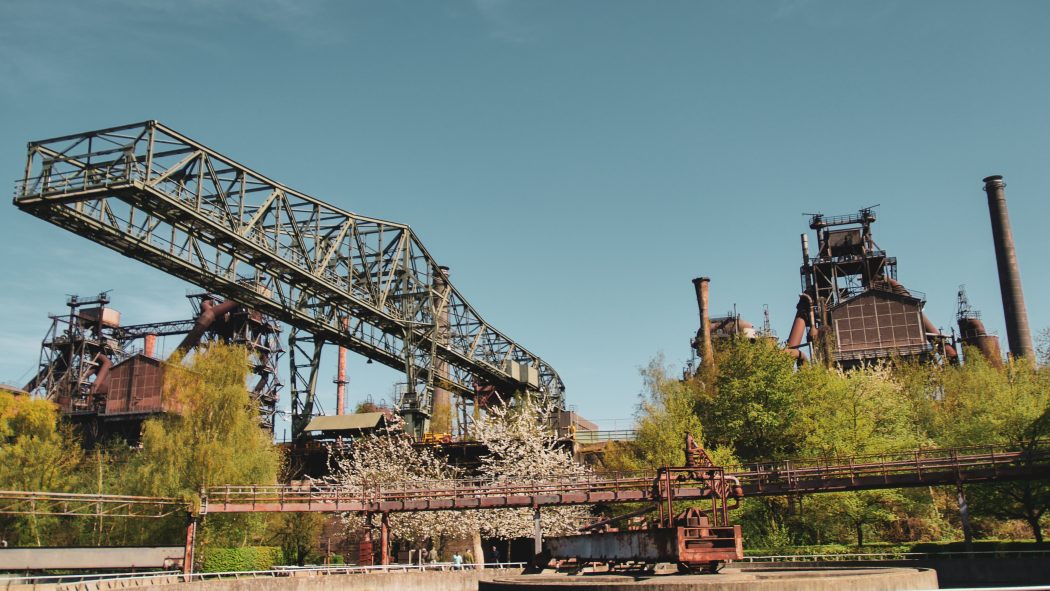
[(924, 467), (362, 283)]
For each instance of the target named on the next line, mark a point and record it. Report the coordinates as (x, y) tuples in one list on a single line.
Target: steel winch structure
[(366, 284)]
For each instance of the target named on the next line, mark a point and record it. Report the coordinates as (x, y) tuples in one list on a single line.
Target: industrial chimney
[(703, 337), (1017, 332)]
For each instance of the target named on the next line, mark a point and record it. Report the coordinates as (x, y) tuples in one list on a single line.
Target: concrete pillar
[(537, 532), (964, 514)]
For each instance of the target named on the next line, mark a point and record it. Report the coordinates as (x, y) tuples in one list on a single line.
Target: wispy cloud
[(46, 45)]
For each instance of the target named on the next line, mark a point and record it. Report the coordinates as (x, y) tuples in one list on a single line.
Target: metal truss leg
[(304, 360)]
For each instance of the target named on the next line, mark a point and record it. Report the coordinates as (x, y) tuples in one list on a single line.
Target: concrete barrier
[(963, 572)]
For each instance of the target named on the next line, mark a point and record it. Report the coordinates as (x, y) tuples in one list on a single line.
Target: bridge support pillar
[(384, 539), (964, 515), (537, 532), (365, 556), (187, 553)]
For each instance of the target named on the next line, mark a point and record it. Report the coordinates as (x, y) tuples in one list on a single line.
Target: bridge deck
[(897, 470)]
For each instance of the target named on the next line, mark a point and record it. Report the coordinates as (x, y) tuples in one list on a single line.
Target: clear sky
[(574, 163)]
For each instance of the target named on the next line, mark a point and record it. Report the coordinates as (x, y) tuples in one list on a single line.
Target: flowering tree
[(523, 448), (387, 459)]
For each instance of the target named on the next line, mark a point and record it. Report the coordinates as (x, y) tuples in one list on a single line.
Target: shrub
[(247, 558)]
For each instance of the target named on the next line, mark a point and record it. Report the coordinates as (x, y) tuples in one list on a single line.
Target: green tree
[(298, 535), (666, 414), (35, 455), (214, 439), (985, 405), (753, 403)]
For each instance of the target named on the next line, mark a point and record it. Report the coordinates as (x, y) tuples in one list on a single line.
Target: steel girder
[(159, 197)]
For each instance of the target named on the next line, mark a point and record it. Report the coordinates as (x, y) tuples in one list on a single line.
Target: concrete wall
[(465, 580), (36, 559), (965, 572)]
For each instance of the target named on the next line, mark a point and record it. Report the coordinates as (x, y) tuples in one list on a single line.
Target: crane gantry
[(366, 284)]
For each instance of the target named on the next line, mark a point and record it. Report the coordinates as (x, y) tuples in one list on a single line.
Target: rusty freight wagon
[(697, 539)]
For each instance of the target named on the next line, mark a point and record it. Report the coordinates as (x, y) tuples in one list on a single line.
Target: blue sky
[(575, 163)]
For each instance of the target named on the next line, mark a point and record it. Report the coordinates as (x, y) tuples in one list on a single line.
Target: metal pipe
[(1018, 334), (805, 259), (700, 284), (149, 344), (101, 385), (210, 314)]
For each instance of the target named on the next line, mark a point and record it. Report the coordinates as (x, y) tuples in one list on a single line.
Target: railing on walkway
[(890, 470)]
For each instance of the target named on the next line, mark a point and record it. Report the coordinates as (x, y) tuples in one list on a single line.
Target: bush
[(247, 558)]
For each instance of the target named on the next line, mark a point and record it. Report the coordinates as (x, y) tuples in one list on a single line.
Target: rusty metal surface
[(642, 545)]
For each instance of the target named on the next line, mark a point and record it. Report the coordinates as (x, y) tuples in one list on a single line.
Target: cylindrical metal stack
[(1018, 334)]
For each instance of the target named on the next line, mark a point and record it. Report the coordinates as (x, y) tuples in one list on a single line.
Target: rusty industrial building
[(853, 311)]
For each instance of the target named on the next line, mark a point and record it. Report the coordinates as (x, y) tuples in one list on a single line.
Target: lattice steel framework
[(157, 196)]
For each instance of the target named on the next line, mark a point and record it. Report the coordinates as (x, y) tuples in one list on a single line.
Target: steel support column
[(305, 360)]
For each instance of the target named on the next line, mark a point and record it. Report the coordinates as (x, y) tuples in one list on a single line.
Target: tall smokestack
[(340, 376), (700, 284), (441, 419), (1017, 332)]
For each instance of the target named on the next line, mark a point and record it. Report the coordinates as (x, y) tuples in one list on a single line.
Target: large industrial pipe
[(101, 385), (1018, 333), (803, 313), (700, 284), (210, 313)]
